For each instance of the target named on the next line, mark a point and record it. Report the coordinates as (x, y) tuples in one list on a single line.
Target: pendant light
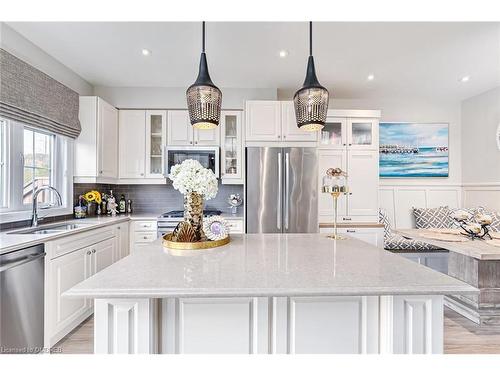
[(311, 100), (203, 97)]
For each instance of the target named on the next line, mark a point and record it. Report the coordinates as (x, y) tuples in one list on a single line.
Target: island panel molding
[(125, 326), (271, 325)]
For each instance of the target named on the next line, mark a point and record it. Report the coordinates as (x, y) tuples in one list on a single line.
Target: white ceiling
[(407, 59)]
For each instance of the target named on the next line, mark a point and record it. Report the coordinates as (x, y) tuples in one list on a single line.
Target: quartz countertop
[(10, 241), (477, 249), (267, 265)]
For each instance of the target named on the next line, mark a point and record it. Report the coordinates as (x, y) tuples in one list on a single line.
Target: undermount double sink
[(50, 229)]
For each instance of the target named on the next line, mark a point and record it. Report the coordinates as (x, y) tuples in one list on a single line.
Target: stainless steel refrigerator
[(281, 190)]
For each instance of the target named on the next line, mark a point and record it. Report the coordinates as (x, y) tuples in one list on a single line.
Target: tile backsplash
[(159, 198)]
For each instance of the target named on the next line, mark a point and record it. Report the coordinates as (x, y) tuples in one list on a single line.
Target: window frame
[(51, 169), (62, 174)]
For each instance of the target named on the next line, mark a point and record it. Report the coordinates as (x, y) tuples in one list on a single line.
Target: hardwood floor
[(461, 336), (78, 341)]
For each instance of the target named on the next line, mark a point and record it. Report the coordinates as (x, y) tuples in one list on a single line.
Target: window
[(29, 159), (37, 165)]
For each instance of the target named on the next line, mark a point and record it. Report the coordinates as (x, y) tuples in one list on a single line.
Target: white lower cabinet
[(235, 225), (122, 241), (373, 236), (142, 232), (62, 313), (69, 261)]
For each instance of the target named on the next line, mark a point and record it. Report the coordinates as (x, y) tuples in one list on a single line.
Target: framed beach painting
[(409, 150)]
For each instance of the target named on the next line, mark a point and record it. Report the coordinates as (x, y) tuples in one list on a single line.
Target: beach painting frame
[(413, 150)]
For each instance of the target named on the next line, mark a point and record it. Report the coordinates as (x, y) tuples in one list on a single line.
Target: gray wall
[(480, 119), (19, 46)]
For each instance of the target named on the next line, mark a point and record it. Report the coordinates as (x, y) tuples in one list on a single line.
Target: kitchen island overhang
[(269, 293)]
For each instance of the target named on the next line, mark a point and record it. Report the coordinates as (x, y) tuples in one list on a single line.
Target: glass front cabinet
[(355, 133), (156, 136), (231, 147)]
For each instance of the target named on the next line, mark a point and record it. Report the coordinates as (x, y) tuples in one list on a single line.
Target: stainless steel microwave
[(207, 156)]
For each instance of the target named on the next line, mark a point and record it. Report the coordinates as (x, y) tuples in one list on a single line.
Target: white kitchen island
[(269, 293)]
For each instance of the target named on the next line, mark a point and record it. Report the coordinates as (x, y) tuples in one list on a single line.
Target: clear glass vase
[(193, 213)]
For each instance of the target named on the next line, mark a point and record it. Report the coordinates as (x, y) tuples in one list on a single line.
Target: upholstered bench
[(396, 242)]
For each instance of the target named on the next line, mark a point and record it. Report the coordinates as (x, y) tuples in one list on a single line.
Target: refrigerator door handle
[(280, 183), (287, 188)]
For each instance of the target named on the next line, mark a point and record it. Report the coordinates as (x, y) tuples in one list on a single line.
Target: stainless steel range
[(169, 220)]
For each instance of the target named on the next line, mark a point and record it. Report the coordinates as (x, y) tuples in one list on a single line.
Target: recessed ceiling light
[(146, 52), (465, 79), (283, 53), (370, 77)]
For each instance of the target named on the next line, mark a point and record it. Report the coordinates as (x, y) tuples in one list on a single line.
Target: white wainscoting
[(399, 199), (482, 194)]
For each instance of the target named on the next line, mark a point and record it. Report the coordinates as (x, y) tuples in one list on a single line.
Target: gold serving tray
[(201, 245)]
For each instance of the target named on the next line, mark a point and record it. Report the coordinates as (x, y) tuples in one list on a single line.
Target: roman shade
[(34, 98)]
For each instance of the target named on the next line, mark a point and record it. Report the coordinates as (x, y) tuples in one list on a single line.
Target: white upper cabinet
[(362, 133), (179, 129), (231, 147), (156, 139), (107, 125), (289, 128), (206, 137), (132, 142), (274, 121), (96, 148), (334, 133), (181, 132), (263, 120)]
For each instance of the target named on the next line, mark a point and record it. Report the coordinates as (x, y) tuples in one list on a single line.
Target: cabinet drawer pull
[(346, 218), (351, 231)]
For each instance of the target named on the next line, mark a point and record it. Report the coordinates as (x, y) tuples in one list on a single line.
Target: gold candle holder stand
[(335, 191)]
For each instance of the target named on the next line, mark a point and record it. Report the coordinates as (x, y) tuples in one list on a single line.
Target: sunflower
[(90, 196), (98, 198)]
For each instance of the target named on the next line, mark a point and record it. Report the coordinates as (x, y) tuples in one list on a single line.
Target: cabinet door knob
[(350, 144), (89, 252), (93, 251), (279, 136), (100, 172), (284, 136), (196, 142), (145, 237), (117, 227), (142, 174), (191, 142)]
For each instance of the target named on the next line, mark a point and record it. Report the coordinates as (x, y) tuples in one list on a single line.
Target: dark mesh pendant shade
[(311, 100), (204, 99)]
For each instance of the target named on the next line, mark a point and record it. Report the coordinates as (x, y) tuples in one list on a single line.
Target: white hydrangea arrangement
[(191, 177)]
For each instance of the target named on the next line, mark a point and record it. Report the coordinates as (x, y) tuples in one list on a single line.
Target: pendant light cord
[(203, 37), (310, 38)]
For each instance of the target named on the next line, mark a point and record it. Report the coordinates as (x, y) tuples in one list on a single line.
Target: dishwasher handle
[(4, 266)]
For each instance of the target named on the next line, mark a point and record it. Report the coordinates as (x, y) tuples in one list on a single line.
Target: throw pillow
[(432, 217)]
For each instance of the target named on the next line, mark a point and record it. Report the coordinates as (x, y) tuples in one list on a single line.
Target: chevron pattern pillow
[(432, 217)]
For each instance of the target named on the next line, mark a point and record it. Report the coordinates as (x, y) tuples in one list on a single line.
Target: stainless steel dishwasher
[(21, 300)]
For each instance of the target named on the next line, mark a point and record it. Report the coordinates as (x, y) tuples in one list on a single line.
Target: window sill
[(13, 216)]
